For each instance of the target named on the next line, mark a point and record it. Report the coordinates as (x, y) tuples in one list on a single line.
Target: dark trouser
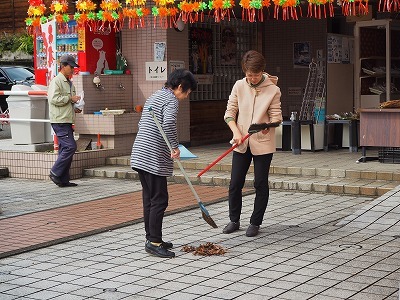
[(240, 165), (155, 202), (66, 150)]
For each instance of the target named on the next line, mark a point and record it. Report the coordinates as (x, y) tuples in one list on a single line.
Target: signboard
[(295, 91), (204, 79), (301, 54), (340, 49), (156, 71), (176, 64)]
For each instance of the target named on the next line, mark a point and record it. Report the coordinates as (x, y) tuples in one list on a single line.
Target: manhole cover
[(349, 246)]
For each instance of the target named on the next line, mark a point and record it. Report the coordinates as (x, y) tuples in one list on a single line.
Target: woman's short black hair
[(181, 77)]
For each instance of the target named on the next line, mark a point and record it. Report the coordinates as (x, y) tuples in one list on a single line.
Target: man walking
[(62, 97)]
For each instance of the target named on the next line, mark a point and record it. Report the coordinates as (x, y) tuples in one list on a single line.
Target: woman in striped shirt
[(152, 159)]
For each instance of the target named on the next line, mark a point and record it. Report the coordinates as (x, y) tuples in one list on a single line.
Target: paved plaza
[(311, 245)]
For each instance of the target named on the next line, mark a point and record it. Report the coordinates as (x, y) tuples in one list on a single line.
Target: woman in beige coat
[(254, 99)]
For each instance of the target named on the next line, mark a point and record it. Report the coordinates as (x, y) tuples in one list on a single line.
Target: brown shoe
[(252, 230), (231, 227)]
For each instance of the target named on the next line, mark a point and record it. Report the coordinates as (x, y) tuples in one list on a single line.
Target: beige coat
[(248, 105), (59, 93)]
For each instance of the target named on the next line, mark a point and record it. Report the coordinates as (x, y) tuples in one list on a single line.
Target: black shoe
[(68, 184), (167, 245), (55, 179), (159, 251), (231, 227), (252, 230)]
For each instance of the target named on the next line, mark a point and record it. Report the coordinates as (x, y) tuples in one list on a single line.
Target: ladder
[(314, 95)]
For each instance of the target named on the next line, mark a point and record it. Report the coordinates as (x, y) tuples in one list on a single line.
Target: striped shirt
[(150, 153)]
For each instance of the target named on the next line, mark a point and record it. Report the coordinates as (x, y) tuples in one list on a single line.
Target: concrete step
[(279, 180), (282, 170)]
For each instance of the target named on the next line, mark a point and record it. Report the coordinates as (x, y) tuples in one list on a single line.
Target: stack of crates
[(390, 155)]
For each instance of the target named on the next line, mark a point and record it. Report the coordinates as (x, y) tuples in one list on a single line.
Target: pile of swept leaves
[(206, 249)]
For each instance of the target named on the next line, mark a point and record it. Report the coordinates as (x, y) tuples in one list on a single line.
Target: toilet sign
[(156, 71)]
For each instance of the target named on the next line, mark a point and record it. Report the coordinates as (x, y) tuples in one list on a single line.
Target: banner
[(49, 44)]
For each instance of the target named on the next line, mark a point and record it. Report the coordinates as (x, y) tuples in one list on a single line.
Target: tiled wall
[(116, 131), (138, 48), (279, 37), (116, 92), (37, 165)]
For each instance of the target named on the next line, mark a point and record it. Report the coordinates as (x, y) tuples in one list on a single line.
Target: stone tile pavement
[(304, 251), (310, 246)]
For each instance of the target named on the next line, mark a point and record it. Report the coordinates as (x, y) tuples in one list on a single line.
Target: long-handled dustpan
[(204, 212), (252, 129)]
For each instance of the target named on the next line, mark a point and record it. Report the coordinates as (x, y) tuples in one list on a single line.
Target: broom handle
[(223, 155), (178, 161)]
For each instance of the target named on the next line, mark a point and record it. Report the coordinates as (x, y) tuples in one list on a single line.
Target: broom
[(205, 214), (254, 128)]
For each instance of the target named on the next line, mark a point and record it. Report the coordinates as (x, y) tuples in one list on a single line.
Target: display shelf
[(376, 52)]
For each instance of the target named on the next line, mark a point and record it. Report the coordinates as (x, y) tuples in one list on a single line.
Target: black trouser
[(155, 202), (240, 165)]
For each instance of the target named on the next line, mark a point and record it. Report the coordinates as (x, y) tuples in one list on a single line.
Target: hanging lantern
[(35, 15), (166, 12), (85, 14), (221, 9), (289, 9), (110, 14), (135, 11)]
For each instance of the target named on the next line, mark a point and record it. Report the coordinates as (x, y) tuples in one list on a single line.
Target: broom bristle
[(261, 126), (209, 220)]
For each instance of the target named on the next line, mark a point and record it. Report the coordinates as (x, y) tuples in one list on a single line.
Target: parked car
[(11, 75)]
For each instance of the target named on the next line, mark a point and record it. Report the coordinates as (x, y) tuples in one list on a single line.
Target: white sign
[(156, 70)]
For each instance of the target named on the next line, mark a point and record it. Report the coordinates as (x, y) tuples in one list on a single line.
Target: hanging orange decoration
[(221, 9), (317, 8), (192, 11), (135, 11), (111, 13), (389, 5), (354, 7), (253, 8), (35, 15), (289, 9), (166, 12), (85, 13), (59, 9)]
